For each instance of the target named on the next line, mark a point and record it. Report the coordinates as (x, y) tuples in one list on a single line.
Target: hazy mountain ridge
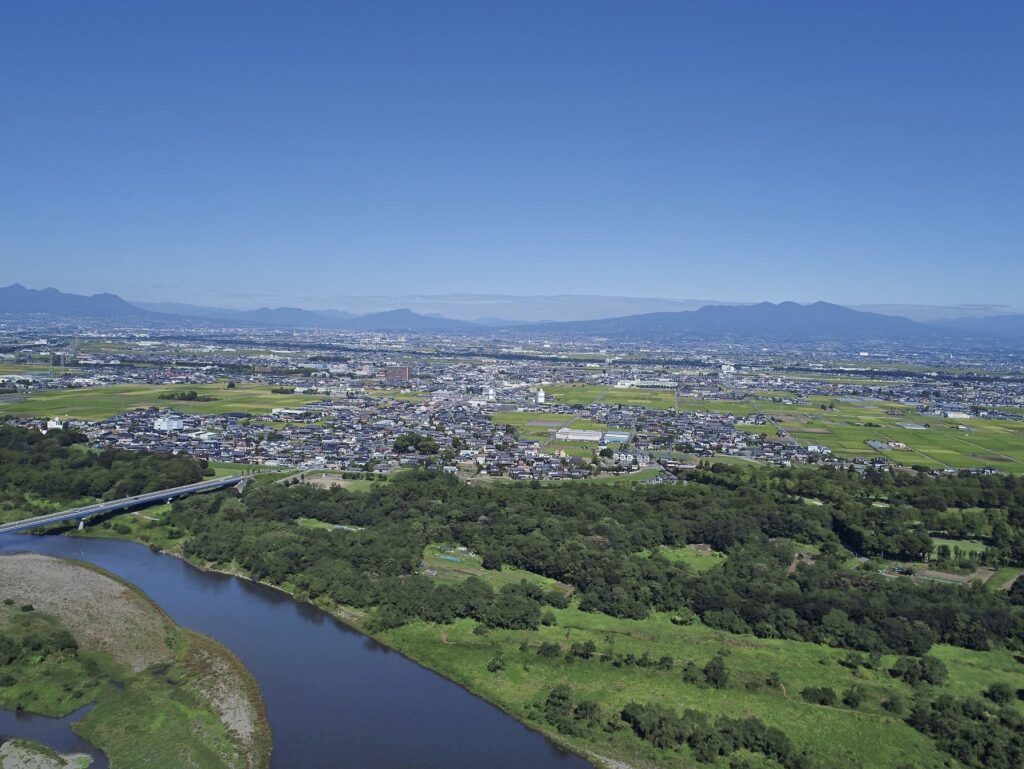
[(782, 321), (16, 299), (787, 320)]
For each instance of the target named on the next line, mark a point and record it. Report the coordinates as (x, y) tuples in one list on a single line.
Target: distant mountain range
[(787, 320), (17, 300), (783, 321)]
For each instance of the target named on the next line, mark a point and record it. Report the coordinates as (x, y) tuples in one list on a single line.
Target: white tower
[(540, 396)]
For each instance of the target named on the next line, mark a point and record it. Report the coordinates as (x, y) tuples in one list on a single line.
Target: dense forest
[(58, 468), (605, 542)]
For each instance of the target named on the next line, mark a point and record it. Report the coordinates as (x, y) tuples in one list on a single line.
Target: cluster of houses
[(363, 397)]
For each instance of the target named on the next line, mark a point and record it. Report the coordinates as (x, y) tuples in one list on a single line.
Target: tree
[(819, 695), (715, 672), (1000, 693)]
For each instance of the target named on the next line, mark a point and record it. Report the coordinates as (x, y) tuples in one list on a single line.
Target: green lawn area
[(584, 395), (313, 523), (584, 449), (223, 469), (967, 545), (697, 560), (837, 737), (1005, 576), (454, 565), (96, 403)]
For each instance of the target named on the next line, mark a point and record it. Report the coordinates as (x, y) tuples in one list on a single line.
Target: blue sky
[(294, 153)]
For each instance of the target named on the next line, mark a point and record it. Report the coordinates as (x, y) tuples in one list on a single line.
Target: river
[(336, 699)]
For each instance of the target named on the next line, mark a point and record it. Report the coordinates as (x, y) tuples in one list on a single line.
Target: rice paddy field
[(94, 403), (933, 442)]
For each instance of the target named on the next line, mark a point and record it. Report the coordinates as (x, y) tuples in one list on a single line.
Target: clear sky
[(291, 153)]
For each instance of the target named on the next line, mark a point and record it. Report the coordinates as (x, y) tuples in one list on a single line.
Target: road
[(100, 508)]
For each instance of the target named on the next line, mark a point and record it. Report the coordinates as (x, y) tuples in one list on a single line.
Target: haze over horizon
[(864, 155)]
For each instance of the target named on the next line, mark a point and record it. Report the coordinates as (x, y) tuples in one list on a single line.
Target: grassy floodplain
[(838, 737), (94, 403), (165, 697)]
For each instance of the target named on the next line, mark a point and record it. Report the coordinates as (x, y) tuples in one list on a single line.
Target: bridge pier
[(81, 524)]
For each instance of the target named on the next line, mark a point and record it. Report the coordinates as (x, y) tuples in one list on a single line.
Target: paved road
[(79, 513)]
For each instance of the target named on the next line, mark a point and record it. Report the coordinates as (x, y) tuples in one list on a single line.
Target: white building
[(572, 434), (541, 397), (168, 423)]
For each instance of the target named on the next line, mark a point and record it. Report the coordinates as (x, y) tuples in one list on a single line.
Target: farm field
[(583, 395), (94, 403), (13, 369), (844, 428)]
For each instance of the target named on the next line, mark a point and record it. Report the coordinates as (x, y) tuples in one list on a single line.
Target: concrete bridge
[(118, 505)]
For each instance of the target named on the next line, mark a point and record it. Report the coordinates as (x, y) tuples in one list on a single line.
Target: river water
[(335, 698)]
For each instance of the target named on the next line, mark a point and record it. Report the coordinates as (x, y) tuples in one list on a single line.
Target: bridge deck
[(114, 506)]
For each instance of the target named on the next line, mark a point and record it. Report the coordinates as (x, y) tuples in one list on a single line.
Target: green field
[(542, 426), (845, 427), (693, 557), (966, 545), (584, 395), (95, 403), (398, 395), (12, 369), (451, 565)]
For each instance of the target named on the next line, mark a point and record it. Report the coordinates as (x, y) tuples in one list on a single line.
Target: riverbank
[(524, 678), (164, 696), (354, 618)]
